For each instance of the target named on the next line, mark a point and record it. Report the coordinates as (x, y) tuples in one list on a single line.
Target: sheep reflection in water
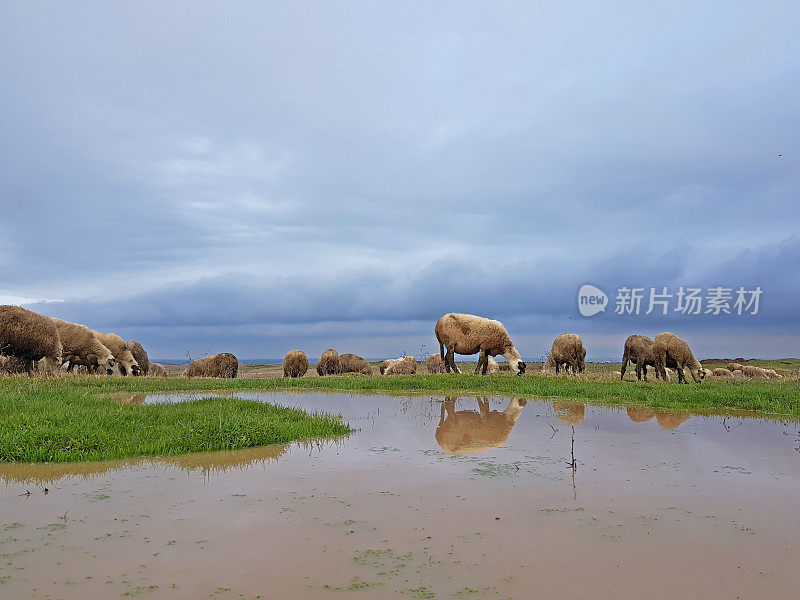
[(465, 431)]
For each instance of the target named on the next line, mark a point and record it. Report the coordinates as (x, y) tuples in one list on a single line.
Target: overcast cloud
[(259, 177)]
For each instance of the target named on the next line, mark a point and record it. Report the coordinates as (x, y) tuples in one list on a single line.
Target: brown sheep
[(353, 363), (407, 365), (224, 365), (156, 370), (567, 348), (734, 366), (492, 366), (465, 431), (11, 365), (468, 334), (722, 373), (668, 346), (384, 364), (295, 363), (139, 355), (123, 356), (738, 374), (329, 363), (29, 337), (435, 364), (639, 351), (80, 347)]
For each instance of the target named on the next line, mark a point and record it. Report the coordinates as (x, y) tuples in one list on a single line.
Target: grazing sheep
[(139, 355), (492, 365), (29, 337), (295, 363), (435, 364), (668, 346), (384, 364), (353, 363), (80, 347), (11, 365), (722, 373), (754, 372), (570, 413), (224, 365), (463, 431), (738, 374), (329, 363), (124, 358), (639, 351), (734, 366), (406, 365), (156, 370), (468, 334), (567, 348)]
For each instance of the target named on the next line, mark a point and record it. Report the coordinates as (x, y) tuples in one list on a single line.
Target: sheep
[(123, 356), (468, 334), (492, 365), (435, 364), (722, 373), (80, 347), (224, 365), (295, 363), (738, 374), (11, 365), (754, 372), (567, 348), (139, 355), (384, 364), (353, 363), (465, 431), (29, 337), (407, 365), (156, 370), (734, 366), (668, 346), (638, 350), (329, 363)]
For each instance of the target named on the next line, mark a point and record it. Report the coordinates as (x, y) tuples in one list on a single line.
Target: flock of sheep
[(31, 340)]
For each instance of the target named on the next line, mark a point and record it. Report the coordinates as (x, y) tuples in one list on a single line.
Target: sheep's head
[(106, 362), (521, 368)]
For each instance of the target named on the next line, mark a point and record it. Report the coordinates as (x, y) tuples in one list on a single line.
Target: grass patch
[(62, 419)]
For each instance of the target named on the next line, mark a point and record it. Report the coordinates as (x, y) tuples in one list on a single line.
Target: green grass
[(76, 418), (73, 418)]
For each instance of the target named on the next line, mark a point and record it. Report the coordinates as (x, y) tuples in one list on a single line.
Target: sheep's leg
[(638, 372), (483, 407), (481, 359), (644, 371), (681, 376), (451, 356)]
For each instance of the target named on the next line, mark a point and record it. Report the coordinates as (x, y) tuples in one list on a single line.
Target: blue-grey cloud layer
[(250, 178)]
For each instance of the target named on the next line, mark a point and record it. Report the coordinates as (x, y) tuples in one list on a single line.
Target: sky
[(257, 177)]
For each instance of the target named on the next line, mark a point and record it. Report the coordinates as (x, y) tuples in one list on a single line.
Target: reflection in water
[(666, 419), (672, 420), (209, 463), (640, 415), (465, 431), (570, 413)]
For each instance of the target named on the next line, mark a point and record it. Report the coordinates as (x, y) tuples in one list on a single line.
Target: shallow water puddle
[(431, 498)]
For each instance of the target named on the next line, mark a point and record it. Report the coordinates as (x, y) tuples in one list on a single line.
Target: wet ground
[(431, 498)]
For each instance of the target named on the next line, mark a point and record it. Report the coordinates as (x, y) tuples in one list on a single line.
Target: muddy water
[(432, 497)]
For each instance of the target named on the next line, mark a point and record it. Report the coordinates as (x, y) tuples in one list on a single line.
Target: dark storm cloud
[(204, 173)]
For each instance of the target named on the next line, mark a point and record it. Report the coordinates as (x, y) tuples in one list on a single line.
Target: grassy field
[(85, 417), (62, 419)]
